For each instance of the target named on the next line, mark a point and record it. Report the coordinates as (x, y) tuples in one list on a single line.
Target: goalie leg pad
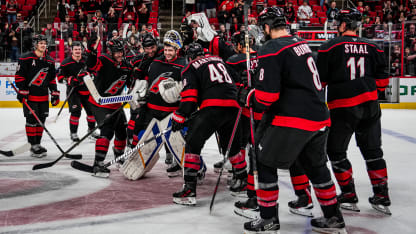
[(174, 141), (143, 159)]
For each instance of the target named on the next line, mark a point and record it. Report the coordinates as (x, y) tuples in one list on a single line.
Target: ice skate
[(269, 226), (74, 137), (174, 170), (118, 153), (239, 188), (248, 209), (302, 206), (380, 201), (37, 151), (169, 159), (348, 201), (99, 170), (333, 225), (187, 196)]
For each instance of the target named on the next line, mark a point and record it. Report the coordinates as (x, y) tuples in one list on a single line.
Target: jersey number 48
[(218, 72)]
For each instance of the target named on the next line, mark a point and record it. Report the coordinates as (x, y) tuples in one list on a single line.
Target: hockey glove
[(244, 97), (178, 121), (74, 81), (22, 94), (55, 98)]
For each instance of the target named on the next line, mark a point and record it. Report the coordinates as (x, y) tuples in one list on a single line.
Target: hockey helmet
[(38, 38), (187, 33), (194, 50), (173, 38), (148, 40), (273, 16), (115, 45), (351, 16), (239, 38)]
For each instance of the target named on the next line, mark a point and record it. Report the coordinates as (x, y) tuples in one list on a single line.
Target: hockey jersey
[(110, 77), (37, 75), (141, 63), (288, 85), (71, 67), (237, 62), (207, 83), (353, 68), (160, 69)]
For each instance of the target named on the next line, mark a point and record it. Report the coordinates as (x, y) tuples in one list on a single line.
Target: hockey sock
[(324, 189), (119, 145), (130, 128), (31, 133), (191, 167), (250, 186), (376, 166), (342, 170), (39, 129), (268, 191), (91, 121), (101, 148), (73, 123), (239, 164)]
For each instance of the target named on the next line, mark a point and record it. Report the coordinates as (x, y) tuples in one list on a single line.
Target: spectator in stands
[(228, 5), (189, 5), (81, 18), (323, 3), (395, 61), (332, 11), (112, 20), (235, 26), (223, 33), (118, 6), (114, 35), (223, 15), (152, 31), (129, 12), (237, 12), (402, 17), (211, 8), (366, 11), (289, 11), (360, 6), (201, 5), (410, 35), (143, 13), (14, 50), (97, 16), (148, 4), (412, 15), (11, 9), (83, 32), (62, 7), (27, 32), (388, 12), (408, 64), (133, 32), (50, 34), (103, 6), (411, 59), (84, 42), (304, 14), (66, 28)]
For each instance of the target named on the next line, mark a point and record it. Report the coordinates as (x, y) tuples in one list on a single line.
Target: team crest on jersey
[(154, 88)]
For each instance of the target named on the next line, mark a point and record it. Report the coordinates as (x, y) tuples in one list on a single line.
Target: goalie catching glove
[(170, 90)]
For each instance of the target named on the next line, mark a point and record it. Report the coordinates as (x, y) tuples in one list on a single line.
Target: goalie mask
[(173, 38)]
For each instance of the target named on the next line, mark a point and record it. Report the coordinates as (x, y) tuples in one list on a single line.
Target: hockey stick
[(18, 150), (253, 144), (104, 100), (227, 152), (72, 156), (62, 107), (87, 168), (49, 164)]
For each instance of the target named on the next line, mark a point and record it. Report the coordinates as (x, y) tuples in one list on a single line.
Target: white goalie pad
[(174, 141), (170, 90), (144, 159), (204, 31)]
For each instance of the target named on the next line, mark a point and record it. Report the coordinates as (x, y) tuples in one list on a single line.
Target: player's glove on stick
[(244, 97), (178, 121), (55, 98), (22, 94)]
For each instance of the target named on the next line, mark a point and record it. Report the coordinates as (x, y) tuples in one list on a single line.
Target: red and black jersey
[(288, 85), (218, 47), (160, 69), (207, 83), (71, 67), (37, 75), (238, 63), (110, 77), (141, 63), (353, 68)]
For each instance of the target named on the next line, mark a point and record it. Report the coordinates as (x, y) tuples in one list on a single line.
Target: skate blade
[(383, 209), (242, 194), (302, 211), (350, 206), (330, 230), (101, 175), (174, 174), (187, 201), (247, 213), (42, 155), (263, 232)]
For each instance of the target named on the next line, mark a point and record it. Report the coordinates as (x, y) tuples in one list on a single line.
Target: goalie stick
[(19, 150), (87, 168), (227, 152), (104, 100), (49, 164), (72, 156)]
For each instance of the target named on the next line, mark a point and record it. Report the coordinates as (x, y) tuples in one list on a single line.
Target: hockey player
[(70, 68), (209, 86), (165, 67), (112, 73), (35, 76), (355, 69), (289, 91)]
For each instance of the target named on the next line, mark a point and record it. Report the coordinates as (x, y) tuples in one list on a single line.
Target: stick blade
[(19, 150), (42, 165), (82, 166), (73, 156)]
